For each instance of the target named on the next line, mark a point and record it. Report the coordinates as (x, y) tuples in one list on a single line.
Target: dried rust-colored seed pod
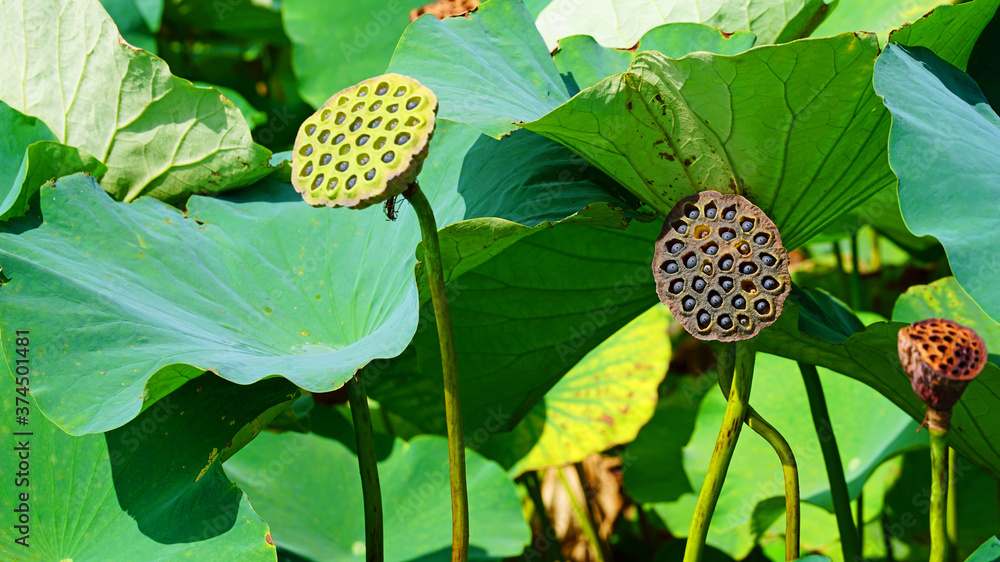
[(442, 9), (366, 144), (941, 357), (720, 266)]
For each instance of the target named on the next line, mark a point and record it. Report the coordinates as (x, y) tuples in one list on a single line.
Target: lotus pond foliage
[(569, 226)]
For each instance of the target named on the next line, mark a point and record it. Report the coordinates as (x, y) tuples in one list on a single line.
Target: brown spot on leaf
[(667, 156)]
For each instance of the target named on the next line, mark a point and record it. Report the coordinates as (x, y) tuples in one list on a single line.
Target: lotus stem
[(368, 466), (583, 518), (859, 519), (834, 469), (952, 506), (856, 300), (789, 468), (736, 412), (449, 367), (939, 495)]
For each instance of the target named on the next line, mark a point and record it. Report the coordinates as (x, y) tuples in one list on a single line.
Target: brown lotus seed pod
[(366, 144), (941, 357), (720, 267), (442, 9)]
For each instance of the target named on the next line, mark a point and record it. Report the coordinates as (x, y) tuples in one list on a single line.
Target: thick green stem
[(952, 506), (859, 519), (736, 413), (370, 489), (939, 495), (449, 366), (834, 469), (856, 300), (789, 468), (583, 518)]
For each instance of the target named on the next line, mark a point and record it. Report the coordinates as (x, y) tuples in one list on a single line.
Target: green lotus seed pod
[(366, 144)]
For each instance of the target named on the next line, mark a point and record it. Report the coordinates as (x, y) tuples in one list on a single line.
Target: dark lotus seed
[(375, 123), (375, 106), (710, 212), (351, 181), (356, 124), (338, 139), (414, 102), (715, 300), (363, 159), (671, 267), (682, 228), (676, 247), (325, 159), (310, 130), (762, 307), (768, 259), (688, 304), (308, 151), (712, 250), (319, 181), (743, 320), (363, 139), (770, 284), (730, 215), (358, 107), (393, 108), (382, 90), (703, 319), (744, 248), (391, 124), (746, 225), (690, 261), (324, 136), (748, 268), (325, 115), (341, 117), (728, 235), (760, 239), (707, 269), (699, 285), (677, 286), (400, 92), (725, 322), (726, 264), (362, 92), (692, 214), (387, 157), (727, 284), (739, 302), (342, 166), (403, 138), (308, 170), (370, 175)]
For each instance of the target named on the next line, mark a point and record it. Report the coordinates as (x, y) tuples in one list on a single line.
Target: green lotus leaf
[(877, 16), (366, 144), (945, 298), (789, 126), (943, 137), (755, 473), (73, 493), (330, 51), (602, 401), (950, 31), (871, 356), (990, 550), (159, 135), (620, 23), (584, 62), (308, 490), (497, 70)]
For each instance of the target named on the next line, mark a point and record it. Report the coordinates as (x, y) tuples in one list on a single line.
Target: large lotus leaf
[(308, 489), (73, 508), (168, 459), (876, 16), (943, 148), (158, 134), (950, 31), (870, 356), (582, 61), (620, 23), (990, 550), (336, 46), (602, 401), (791, 127), (489, 70), (755, 474), (521, 321), (43, 161), (944, 298)]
